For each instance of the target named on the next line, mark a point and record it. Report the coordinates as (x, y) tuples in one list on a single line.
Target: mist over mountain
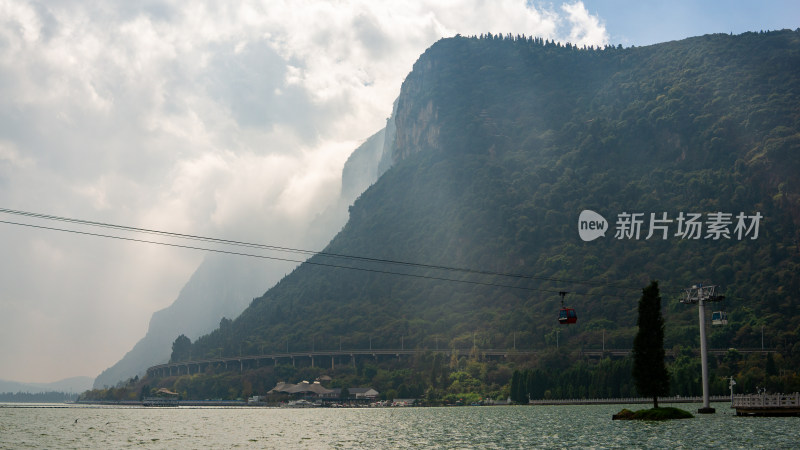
[(500, 142), (67, 385), (224, 285), (221, 287)]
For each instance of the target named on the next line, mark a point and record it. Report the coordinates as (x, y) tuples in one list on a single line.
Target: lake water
[(450, 427)]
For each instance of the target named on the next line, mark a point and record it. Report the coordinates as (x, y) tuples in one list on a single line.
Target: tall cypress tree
[(515, 382), (522, 387), (649, 371)]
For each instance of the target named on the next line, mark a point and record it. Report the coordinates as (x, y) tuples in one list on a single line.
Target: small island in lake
[(653, 414)]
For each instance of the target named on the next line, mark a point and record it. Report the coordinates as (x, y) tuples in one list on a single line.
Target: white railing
[(766, 401), (623, 400)]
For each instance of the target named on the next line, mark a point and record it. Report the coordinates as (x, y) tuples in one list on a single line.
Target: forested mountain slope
[(501, 142)]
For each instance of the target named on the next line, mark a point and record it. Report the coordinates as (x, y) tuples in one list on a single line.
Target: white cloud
[(585, 29), (204, 117), (11, 157)]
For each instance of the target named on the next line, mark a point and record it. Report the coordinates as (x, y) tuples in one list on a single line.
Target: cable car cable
[(364, 269), (309, 252)]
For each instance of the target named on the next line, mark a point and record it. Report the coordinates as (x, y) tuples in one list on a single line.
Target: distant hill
[(500, 142), (68, 385)]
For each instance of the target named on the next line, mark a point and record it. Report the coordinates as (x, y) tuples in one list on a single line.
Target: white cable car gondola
[(719, 318)]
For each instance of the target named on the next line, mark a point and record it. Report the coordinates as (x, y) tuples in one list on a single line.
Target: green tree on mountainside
[(181, 349), (649, 370)]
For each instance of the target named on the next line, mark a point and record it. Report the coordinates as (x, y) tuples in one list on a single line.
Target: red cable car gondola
[(566, 315)]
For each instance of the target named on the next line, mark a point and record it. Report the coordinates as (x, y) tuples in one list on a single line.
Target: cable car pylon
[(701, 295)]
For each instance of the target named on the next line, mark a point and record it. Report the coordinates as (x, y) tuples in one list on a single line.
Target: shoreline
[(244, 404)]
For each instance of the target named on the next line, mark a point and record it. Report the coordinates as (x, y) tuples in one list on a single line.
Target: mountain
[(501, 142), (515, 169), (223, 285), (68, 385)]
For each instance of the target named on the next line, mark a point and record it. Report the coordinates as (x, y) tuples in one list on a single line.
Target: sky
[(223, 119)]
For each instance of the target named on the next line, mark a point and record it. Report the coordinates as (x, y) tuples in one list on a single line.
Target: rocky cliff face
[(361, 168), (389, 134), (416, 123)]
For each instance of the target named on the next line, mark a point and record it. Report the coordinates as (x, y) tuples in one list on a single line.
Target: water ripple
[(505, 427)]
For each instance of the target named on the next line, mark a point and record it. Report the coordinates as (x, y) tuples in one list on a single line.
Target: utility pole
[(701, 295)]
